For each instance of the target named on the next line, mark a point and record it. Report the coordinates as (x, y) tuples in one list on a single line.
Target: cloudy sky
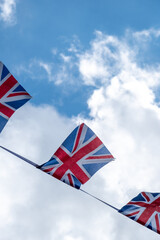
[(86, 61)]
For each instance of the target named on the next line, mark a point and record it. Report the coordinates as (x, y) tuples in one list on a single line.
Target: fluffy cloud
[(126, 115), (36, 137), (35, 205), (7, 11)]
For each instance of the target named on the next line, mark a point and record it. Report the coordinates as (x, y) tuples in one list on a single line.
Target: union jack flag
[(144, 209), (78, 158), (12, 95)]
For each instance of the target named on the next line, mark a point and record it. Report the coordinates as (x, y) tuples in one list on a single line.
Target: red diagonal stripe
[(146, 196), (78, 137), (48, 169), (18, 94), (5, 110), (141, 204), (70, 179), (100, 157), (131, 214), (7, 85), (157, 223)]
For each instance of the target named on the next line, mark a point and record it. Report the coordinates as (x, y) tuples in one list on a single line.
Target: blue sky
[(86, 61), (32, 32)]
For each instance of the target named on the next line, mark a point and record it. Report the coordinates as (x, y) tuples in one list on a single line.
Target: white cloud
[(48, 68), (109, 56), (126, 115), (54, 51), (33, 204), (7, 11), (146, 34), (62, 70), (65, 58), (20, 191), (37, 69)]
